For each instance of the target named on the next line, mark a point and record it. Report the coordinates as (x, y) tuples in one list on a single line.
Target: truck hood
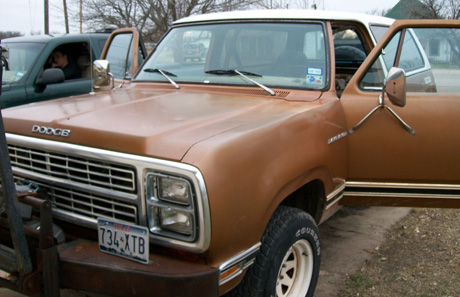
[(141, 121)]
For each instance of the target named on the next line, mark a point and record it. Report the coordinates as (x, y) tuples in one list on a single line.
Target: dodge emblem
[(51, 131)]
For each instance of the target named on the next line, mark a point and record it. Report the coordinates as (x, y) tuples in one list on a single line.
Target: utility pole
[(47, 30), (81, 16), (66, 18)]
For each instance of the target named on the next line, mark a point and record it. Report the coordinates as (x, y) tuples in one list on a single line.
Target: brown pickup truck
[(208, 176)]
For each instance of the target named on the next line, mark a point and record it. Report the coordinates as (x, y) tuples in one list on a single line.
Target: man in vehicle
[(61, 59)]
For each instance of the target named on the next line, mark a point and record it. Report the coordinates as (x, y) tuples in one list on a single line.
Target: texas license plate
[(124, 240)]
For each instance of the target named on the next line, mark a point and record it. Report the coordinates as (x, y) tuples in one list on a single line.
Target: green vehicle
[(28, 73)]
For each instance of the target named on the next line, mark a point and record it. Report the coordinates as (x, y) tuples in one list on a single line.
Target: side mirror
[(3, 64), (395, 86), (50, 76), (101, 73)]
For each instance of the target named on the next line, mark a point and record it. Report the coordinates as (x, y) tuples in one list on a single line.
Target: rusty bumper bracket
[(44, 277)]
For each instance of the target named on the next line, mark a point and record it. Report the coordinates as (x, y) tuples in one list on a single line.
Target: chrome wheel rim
[(296, 270)]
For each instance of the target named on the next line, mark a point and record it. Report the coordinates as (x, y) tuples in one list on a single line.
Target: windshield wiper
[(232, 72), (165, 73), (243, 74)]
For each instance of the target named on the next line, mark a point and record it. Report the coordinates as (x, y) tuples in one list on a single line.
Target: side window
[(389, 53), (73, 58), (349, 55), (375, 75), (119, 56), (441, 46), (348, 38), (378, 31), (430, 58), (411, 54)]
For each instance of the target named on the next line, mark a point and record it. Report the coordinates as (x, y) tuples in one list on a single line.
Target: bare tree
[(379, 12), (453, 9), (100, 14), (152, 17), (9, 34), (297, 4), (433, 9), (275, 4), (162, 13)]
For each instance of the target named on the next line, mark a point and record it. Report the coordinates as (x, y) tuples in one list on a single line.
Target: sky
[(26, 16)]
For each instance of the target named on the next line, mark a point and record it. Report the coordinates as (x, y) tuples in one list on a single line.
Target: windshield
[(19, 59), (273, 54)]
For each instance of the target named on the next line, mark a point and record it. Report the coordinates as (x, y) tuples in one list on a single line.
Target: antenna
[(66, 17)]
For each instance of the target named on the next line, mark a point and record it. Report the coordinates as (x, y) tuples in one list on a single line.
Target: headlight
[(176, 220), (174, 190), (170, 206)]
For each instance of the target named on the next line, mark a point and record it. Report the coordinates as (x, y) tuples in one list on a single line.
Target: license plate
[(124, 240)]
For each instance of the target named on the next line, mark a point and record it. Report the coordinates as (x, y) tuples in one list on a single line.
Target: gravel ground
[(420, 257)]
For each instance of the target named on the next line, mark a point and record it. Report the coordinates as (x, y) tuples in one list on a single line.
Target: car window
[(442, 47), (429, 56), (73, 58), (378, 31), (19, 60), (275, 54), (411, 55), (350, 53), (119, 56), (349, 38)]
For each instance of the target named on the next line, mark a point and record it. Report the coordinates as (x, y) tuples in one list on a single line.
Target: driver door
[(125, 52), (409, 155)]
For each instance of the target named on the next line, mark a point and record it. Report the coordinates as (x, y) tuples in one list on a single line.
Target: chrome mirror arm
[(408, 128), (382, 104), (355, 127)]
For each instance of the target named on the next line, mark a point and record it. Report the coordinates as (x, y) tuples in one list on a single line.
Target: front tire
[(289, 258)]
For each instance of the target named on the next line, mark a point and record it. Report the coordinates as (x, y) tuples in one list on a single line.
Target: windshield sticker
[(315, 76), (314, 71), (20, 74)]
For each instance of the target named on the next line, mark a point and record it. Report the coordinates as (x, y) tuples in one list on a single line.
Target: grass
[(420, 258), (358, 282)]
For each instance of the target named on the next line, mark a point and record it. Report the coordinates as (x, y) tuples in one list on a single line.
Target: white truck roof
[(292, 14)]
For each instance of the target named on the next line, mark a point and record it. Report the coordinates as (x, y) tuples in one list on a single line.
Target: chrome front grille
[(74, 169), (82, 188), (89, 205)]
